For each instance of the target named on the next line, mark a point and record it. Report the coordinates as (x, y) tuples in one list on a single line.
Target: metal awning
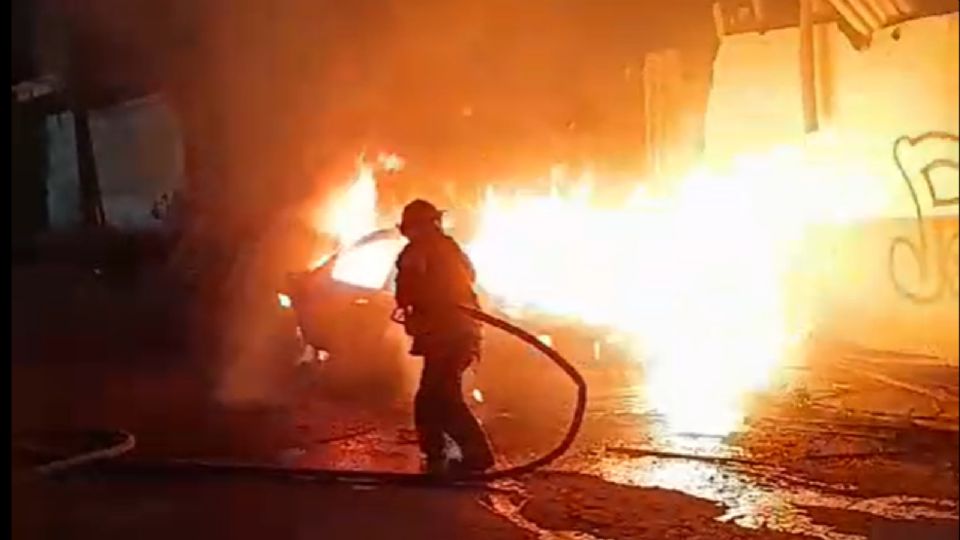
[(868, 16), (862, 17)]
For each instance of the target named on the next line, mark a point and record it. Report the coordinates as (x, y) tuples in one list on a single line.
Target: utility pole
[(808, 83)]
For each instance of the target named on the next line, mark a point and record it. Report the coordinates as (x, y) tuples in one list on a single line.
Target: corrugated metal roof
[(868, 16)]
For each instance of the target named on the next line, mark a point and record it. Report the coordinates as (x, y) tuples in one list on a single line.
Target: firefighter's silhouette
[(434, 276)]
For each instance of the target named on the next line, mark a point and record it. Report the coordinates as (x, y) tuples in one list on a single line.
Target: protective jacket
[(434, 276)]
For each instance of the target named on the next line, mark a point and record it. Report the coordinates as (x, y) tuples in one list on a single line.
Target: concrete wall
[(905, 83), (139, 158)]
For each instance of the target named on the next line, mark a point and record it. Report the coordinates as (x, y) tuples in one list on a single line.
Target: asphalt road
[(833, 450)]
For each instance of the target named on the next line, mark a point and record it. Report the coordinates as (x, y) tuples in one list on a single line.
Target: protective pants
[(439, 407)]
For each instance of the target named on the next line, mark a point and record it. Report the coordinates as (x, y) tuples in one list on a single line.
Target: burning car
[(675, 278), (343, 309), (346, 300)]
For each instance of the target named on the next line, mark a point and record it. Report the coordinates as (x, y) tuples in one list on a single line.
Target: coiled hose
[(106, 459)]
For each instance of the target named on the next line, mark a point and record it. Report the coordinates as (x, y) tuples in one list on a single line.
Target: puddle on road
[(754, 496), (759, 497)]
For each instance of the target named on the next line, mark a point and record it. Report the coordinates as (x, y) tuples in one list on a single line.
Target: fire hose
[(110, 460)]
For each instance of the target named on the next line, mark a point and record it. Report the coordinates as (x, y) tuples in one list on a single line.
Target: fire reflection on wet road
[(779, 472)]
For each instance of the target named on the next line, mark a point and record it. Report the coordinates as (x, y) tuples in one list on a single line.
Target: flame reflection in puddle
[(754, 497)]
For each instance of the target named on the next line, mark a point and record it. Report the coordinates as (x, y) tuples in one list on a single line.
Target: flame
[(349, 216), (693, 279), (352, 213), (692, 273)]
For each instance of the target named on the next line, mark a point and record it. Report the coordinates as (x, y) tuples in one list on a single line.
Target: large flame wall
[(722, 271)]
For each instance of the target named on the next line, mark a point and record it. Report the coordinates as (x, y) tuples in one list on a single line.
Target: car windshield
[(368, 264)]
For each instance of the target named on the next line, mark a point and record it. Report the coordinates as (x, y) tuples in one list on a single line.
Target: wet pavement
[(820, 469), (849, 444)]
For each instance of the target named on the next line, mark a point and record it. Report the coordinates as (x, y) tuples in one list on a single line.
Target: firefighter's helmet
[(418, 213)]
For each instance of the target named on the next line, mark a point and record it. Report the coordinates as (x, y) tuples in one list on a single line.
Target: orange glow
[(691, 273)]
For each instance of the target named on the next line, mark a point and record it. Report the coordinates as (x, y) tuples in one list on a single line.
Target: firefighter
[(433, 277)]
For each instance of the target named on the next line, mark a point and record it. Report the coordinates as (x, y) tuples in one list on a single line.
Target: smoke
[(273, 98), (270, 95), (365, 360), (467, 89), (258, 344)]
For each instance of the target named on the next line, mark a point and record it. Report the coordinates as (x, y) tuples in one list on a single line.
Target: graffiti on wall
[(923, 267)]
